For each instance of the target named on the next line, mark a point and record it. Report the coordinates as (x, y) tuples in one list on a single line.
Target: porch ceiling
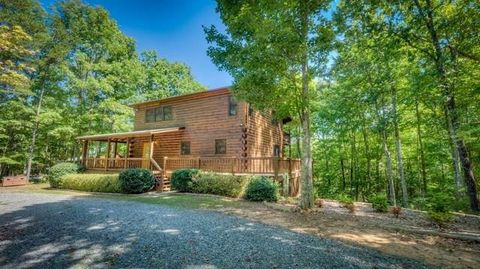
[(124, 135)]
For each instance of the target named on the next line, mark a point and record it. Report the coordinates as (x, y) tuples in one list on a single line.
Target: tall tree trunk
[(450, 107), (352, 164), (421, 150), (367, 156), (389, 172), (307, 198), (398, 146), (342, 167), (457, 175), (34, 133), (306, 176), (386, 151)]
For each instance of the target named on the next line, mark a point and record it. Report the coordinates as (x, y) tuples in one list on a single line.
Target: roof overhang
[(118, 136)]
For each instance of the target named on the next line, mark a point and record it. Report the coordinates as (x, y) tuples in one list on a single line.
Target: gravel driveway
[(58, 231)]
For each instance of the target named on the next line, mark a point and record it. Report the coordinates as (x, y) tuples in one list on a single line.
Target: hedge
[(57, 171), (219, 184), (136, 180), (91, 182), (262, 189), (182, 179)]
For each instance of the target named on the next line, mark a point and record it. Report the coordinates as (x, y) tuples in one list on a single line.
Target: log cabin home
[(208, 130)]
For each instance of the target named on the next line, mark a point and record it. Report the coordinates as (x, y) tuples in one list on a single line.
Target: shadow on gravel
[(86, 232)]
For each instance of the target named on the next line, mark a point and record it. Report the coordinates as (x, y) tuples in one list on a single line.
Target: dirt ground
[(411, 235)]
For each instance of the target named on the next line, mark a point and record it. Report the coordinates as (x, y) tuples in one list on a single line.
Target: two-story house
[(209, 130)]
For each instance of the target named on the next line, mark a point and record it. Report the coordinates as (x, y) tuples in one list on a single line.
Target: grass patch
[(178, 200), (184, 200)]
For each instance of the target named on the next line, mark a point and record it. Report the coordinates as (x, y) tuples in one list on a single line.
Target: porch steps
[(165, 180)]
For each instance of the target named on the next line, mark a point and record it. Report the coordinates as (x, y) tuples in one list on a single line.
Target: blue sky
[(172, 28)]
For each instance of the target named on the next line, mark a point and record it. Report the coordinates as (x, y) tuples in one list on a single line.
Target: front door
[(146, 155)]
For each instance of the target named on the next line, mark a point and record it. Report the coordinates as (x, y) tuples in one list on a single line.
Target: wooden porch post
[(127, 152), (85, 152), (108, 155), (115, 149), (151, 151)]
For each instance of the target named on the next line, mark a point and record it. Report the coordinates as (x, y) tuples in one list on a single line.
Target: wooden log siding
[(262, 135), (205, 119)]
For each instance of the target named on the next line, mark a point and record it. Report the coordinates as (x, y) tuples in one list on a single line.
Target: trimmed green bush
[(380, 203), (91, 182), (136, 180), (57, 171), (219, 184), (261, 189), (181, 179)]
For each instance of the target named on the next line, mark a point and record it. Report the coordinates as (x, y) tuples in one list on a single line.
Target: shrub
[(182, 179), (219, 184), (379, 203), (57, 171), (136, 180), (91, 182), (347, 202), (262, 189), (439, 207)]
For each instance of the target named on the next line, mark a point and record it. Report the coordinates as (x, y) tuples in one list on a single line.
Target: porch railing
[(102, 163), (252, 165)]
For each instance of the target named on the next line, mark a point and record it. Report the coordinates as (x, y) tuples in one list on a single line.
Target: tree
[(444, 33), (275, 50), (13, 71), (164, 79), (79, 73)]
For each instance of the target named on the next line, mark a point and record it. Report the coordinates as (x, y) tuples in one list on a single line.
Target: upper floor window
[(220, 146), (232, 106), (185, 148), (158, 114)]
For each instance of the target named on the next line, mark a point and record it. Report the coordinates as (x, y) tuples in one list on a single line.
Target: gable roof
[(195, 95)]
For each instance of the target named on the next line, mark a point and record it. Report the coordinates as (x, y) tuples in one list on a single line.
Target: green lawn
[(180, 200)]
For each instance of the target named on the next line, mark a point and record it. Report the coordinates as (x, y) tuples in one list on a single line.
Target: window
[(276, 151), (150, 115), (185, 148), (220, 146), (167, 113), (158, 114), (232, 106)]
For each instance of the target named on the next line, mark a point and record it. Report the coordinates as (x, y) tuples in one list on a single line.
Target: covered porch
[(141, 149), (114, 152)]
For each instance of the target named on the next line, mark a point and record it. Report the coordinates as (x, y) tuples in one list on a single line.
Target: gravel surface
[(59, 231)]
